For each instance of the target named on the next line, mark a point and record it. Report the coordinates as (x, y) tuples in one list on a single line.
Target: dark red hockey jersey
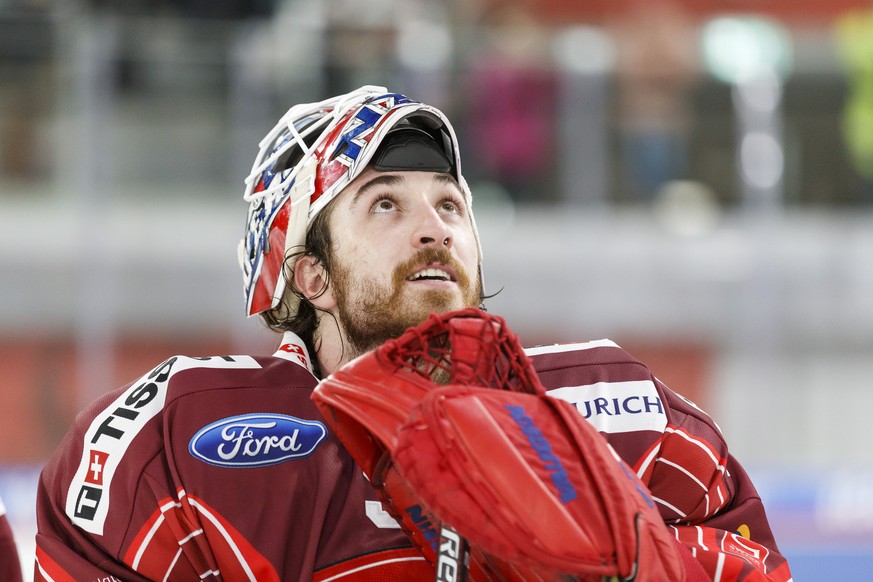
[(212, 469), (679, 453), (221, 468), (10, 564)]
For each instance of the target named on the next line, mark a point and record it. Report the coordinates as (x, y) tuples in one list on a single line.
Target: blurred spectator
[(18, 128), (655, 68), (854, 32), (511, 102), (206, 9), (27, 76), (360, 43)]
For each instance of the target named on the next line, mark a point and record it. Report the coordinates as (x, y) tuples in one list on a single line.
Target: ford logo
[(254, 440)]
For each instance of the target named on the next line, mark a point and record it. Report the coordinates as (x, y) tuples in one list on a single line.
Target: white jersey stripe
[(687, 473), (147, 540), (719, 568), (699, 443), (560, 348), (700, 537), (649, 458), (172, 565), (43, 572), (227, 537), (374, 565), (671, 507), (190, 536)]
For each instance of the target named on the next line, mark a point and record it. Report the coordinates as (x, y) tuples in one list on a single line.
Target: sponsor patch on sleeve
[(615, 407), (112, 431)]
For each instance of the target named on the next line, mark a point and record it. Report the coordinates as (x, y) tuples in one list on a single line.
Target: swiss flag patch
[(96, 464)]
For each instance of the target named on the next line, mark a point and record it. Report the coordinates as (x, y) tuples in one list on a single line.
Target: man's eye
[(451, 206), (384, 205)]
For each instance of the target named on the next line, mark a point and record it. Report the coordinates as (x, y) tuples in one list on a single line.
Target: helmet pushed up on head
[(314, 151)]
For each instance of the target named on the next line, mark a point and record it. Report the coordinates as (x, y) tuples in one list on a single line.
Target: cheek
[(348, 248), (466, 244), (370, 261), (467, 249)]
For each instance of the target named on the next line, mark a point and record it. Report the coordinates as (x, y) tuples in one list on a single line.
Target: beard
[(372, 313)]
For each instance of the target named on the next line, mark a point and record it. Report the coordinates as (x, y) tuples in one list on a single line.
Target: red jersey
[(676, 449), (212, 469), (10, 564), (222, 468)]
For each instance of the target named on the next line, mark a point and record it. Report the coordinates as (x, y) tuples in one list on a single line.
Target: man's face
[(403, 248)]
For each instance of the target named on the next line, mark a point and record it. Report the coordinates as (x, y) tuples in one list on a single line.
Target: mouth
[(433, 273)]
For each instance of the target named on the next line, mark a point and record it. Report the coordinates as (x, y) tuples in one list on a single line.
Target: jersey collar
[(294, 350)]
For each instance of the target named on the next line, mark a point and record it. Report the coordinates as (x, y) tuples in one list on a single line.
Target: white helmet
[(314, 151)]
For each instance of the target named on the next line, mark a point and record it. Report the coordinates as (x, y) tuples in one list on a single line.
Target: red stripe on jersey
[(144, 537), (158, 551), (727, 556), (188, 539), (702, 444), (405, 564), (48, 570), (687, 477), (236, 557), (645, 464)]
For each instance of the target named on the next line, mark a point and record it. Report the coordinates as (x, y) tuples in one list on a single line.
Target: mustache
[(431, 256)]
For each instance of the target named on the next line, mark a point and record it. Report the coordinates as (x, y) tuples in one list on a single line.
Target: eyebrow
[(447, 179), (394, 180), (375, 182)]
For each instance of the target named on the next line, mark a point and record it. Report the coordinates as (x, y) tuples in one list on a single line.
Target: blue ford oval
[(256, 440)]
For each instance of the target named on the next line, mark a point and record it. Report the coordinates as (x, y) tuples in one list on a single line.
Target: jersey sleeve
[(707, 498), (702, 492), (10, 563), (211, 469)]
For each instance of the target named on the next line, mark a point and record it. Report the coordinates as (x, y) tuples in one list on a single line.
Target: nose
[(426, 240), (432, 231)]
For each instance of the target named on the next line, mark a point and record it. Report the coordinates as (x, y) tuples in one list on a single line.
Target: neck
[(332, 349)]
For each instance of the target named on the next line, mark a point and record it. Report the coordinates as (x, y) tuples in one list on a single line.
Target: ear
[(311, 279)]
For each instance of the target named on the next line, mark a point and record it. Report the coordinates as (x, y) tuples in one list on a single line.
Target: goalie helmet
[(313, 152)]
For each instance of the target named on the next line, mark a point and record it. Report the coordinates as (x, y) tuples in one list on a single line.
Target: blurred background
[(691, 179)]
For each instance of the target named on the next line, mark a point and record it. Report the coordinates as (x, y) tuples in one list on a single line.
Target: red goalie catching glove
[(450, 423)]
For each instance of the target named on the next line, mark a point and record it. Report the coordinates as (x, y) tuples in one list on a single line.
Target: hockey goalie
[(490, 477)]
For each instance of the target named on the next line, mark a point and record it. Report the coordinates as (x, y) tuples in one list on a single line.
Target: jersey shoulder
[(585, 363), (611, 387), (114, 440), (617, 392)]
